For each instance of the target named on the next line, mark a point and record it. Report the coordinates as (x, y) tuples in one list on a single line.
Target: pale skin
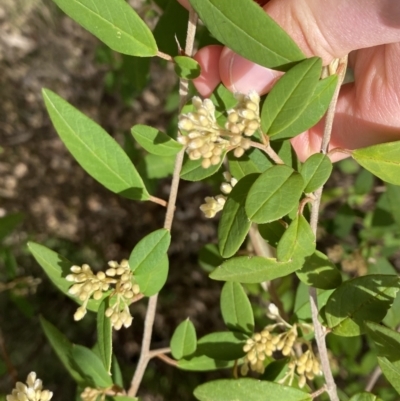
[(368, 110)]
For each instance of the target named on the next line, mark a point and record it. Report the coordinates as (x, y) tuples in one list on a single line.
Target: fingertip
[(241, 75), (209, 79)]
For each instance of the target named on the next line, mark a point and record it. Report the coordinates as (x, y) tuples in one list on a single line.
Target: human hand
[(368, 110)]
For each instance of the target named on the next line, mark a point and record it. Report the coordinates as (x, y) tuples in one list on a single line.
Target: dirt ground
[(66, 210)]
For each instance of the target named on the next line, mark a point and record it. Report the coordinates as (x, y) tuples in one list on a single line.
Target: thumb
[(325, 28)]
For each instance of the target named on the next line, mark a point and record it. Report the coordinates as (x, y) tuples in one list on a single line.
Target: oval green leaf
[(91, 367), (257, 269), (186, 67), (184, 340), (363, 298), (115, 23), (209, 257), (234, 224), (391, 372), (247, 389), (245, 28), (236, 308), (381, 160), (298, 241), (97, 153), (289, 97), (192, 170), (319, 272), (57, 268), (315, 171), (149, 261), (202, 363), (364, 397), (313, 112), (386, 340), (104, 335), (275, 193), (62, 347), (155, 141), (272, 232), (253, 161)]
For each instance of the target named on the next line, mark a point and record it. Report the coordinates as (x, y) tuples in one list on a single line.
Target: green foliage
[(316, 171), (115, 23), (391, 372), (367, 298), (94, 149), (155, 141), (193, 171), (275, 193), (247, 390), (104, 335), (381, 160), (262, 41), (234, 224), (236, 308), (184, 340), (186, 67)]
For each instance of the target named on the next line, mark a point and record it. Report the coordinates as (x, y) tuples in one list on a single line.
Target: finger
[(208, 58)]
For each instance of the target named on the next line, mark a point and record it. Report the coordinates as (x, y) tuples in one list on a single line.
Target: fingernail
[(241, 75)]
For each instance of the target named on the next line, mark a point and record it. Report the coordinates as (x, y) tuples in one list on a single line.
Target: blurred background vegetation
[(46, 197)]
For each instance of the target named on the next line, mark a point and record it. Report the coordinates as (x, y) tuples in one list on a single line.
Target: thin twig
[(152, 305), (318, 328), (167, 359), (164, 56), (373, 379), (268, 150), (317, 393), (156, 352), (159, 201)]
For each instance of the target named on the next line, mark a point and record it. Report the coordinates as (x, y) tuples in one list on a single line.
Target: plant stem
[(373, 379), (164, 56), (318, 328), (159, 201), (145, 353), (268, 150), (317, 393)]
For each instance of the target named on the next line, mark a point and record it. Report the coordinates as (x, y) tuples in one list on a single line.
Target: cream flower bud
[(79, 314), (206, 163), (238, 152), (183, 140), (226, 188)]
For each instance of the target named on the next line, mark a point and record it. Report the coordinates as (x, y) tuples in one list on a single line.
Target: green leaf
[(257, 269), (234, 224), (253, 161), (123, 398), (393, 197), (391, 372), (247, 389), (94, 149), (290, 96), (184, 340), (192, 170), (155, 141), (186, 67), (57, 268), (209, 257), (298, 241), (275, 193), (381, 160), (149, 261), (9, 223), (319, 272), (91, 367), (315, 171), (104, 335), (223, 345), (171, 27), (302, 308), (115, 23), (272, 232), (116, 373), (154, 167), (223, 100), (236, 308), (202, 363), (363, 298), (62, 347), (386, 340), (364, 396), (245, 28), (313, 111)]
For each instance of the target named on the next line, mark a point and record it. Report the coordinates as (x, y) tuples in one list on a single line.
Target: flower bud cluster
[(264, 344), (215, 204), (93, 394), (206, 140), (118, 278), (31, 391), (307, 367)]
